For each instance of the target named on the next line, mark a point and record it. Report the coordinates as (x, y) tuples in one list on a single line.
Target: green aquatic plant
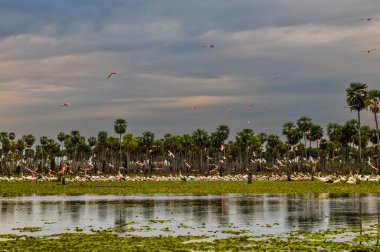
[(28, 229), (112, 240)]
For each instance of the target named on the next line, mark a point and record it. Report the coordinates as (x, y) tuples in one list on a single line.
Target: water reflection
[(184, 214)]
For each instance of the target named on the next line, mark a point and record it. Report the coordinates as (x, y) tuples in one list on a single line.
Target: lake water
[(188, 214)]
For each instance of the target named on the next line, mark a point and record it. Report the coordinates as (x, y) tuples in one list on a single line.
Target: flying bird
[(228, 110), (65, 104), (366, 19), (209, 46), (195, 108), (249, 107), (275, 76), (369, 50), (110, 75)]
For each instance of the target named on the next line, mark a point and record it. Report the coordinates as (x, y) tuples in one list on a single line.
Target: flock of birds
[(350, 179)]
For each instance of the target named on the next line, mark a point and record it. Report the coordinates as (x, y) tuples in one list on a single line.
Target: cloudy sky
[(59, 51)]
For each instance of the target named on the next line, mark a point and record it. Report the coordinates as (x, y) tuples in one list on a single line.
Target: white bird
[(170, 154), (280, 163)]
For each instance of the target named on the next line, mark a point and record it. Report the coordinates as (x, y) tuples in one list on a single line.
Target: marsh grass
[(179, 187)]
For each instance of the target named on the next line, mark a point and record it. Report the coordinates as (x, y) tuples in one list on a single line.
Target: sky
[(274, 61)]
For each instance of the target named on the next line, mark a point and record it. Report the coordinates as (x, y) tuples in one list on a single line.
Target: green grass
[(180, 187)]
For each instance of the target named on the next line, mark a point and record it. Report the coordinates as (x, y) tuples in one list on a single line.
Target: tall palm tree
[(29, 141), (147, 140), (292, 133), (357, 100), (120, 127), (315, 133), (101, 146), (61, 137), (130, 144), (242, 139), (201, 140), (43, 142), (374, 107), (304, 124)]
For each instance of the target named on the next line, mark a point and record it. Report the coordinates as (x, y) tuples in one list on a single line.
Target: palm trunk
[(377, 137), (360, 146)]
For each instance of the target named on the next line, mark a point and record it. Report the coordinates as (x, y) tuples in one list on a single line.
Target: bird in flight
[(209, 45), (110, 75), (366, 19), (65, 104), (228, 110), (369, 50), (195, 108), (275, 76)]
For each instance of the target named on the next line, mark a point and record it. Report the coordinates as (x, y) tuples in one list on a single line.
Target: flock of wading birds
[(278, 169)]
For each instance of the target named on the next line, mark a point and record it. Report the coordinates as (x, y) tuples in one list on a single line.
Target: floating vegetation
[(233, 232), (158, 221), (106, 240), (28, 229)]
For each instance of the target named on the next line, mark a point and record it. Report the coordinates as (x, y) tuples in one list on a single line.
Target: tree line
[(344, 147)]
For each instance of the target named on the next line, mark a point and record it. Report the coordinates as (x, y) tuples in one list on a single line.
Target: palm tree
[(242, 139), (120, 127), (101, 146), (315, 133), (292, 133), (304, 124), (43, 142), (29, 141), (201, 140), (130, 144), (147, 140), (374, 107), (61, 137), (357, 100)]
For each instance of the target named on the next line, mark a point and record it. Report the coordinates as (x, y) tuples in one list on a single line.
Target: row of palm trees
[(345, 146)]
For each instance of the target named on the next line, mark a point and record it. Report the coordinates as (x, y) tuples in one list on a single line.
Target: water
[(188, 214)]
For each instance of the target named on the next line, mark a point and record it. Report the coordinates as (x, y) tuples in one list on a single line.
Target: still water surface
[(188, 214)]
